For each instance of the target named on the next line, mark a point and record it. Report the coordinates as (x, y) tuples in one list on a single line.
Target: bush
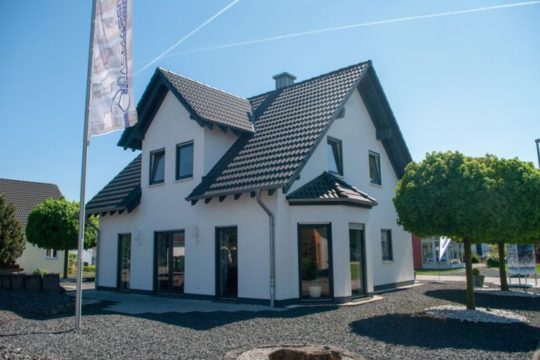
[(475, 259), (475, 272), (12, 240), (89, 268), (493, 260), (40, 272)]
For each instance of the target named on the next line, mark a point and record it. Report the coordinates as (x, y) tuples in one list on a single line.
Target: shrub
[(40, 272), (475, 271), (89, 268), (475, 259), (493, 260), (12, 240)]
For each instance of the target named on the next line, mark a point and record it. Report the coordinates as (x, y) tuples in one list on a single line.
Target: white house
[(282, 197)]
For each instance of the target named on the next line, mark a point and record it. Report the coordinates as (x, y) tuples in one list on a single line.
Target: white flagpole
[(82, 212)]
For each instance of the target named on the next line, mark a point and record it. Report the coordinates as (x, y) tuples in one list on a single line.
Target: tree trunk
[(66, 263), (469, 274), (502, 267)]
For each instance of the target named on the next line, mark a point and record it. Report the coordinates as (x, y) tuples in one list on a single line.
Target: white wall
[(34, 257), (358, 136)]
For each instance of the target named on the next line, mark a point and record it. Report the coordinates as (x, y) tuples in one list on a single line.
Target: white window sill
[(388, 261), (184, 179), (375, 184), (156, 185)]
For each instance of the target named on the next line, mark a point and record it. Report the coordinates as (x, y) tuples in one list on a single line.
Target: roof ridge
[(201, 83), (30, 181), (367, 62)]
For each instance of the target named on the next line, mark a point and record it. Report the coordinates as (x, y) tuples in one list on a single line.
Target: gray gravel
[(391, 328)]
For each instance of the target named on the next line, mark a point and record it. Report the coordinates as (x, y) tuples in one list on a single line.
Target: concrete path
[(492, 280), (140, 304)]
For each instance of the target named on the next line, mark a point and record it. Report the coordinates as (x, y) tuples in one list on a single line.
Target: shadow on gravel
[(425, 332), (208, 320), (487, 300)]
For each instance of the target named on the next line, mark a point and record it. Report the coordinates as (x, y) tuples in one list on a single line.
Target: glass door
[(169, 262), (357, 260), (227, 262), (315, 260), (124, 260)]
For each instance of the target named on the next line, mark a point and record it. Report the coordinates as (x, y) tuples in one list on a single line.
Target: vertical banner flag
[(443, 246), (112, 105)]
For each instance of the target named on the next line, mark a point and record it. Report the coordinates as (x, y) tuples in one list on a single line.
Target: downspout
[(272, 249)]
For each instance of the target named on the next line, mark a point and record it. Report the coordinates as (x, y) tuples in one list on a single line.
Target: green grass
[(437, 272), (538, 268)]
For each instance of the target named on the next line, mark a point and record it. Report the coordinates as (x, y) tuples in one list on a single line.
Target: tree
[(517, 189), (12, 241), (54, 224), (448, 194)]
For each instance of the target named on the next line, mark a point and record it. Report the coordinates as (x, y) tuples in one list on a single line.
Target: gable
[(206, 105)]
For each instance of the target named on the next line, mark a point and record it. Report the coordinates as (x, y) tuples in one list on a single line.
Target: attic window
[(375, 168), (184, 160), (335, 156), (157, 166)]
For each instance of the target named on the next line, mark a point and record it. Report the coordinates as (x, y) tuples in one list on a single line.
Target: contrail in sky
[(187, 36), (353, 26)]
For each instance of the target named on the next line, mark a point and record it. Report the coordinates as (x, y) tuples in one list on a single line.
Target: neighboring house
[(284, 196), (426, 254), (25, 195)]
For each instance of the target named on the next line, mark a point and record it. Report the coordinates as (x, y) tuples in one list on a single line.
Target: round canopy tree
[(12, 241), (517, 189), (448, 194), (54, 224)]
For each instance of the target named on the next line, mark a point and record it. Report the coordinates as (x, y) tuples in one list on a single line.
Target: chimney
[(284, 79)]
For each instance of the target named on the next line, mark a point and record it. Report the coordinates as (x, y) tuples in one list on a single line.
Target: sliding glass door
[(169, 262), (357, 260), (227, 262), (315, 261)]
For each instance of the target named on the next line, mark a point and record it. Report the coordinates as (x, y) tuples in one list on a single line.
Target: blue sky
[(467, 82)]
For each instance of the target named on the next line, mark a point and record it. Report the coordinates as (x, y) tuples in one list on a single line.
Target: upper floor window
[(386, 245), (335, 156), (375, 168), (51, 254), (184, 160), (157, 166)]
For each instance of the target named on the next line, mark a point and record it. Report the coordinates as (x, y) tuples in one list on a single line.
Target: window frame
[(337, 152), (151, 180), (390, 246), (53, 254), (377, 158), (178, 158)]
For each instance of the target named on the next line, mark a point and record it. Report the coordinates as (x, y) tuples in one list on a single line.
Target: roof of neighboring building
[(207, 105), (121, 193), (328, 189), (25, 195), (289, 124)]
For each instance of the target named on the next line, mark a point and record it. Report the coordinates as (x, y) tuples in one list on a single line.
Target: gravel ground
[(394, 327)]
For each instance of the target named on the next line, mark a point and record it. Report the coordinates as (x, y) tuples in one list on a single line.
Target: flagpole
[(82, 212)]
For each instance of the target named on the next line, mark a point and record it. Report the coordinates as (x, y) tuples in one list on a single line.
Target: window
[(335, 156), (375, 168), (184, 160), (51, 254), (386, 245), (157, 166)]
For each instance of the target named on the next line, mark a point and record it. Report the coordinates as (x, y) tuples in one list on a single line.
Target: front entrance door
[(357, 260), (315, 261), (169, 262), (124, 261), (227, 262)]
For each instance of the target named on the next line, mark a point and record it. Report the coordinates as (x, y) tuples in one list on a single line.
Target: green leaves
[(485, 199), (55, 224), (12, 241)]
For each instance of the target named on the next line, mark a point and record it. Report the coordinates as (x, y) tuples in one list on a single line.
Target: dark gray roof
[(121, 193), (328, 189), (25, 195), (290, 122), (207, 105)]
